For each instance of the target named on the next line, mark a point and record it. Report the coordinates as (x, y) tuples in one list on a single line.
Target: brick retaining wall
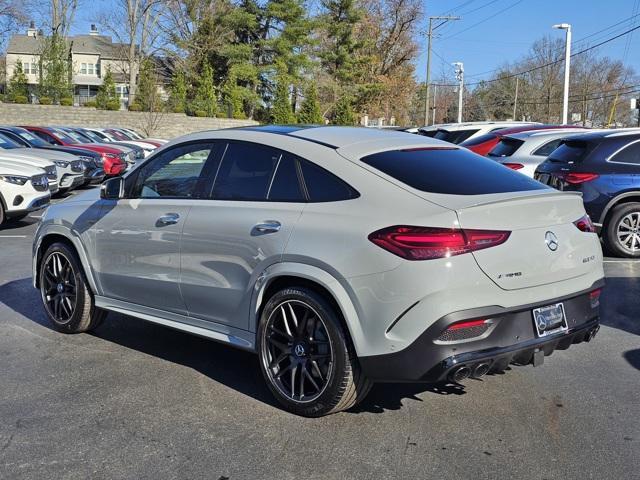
[(165, 125)]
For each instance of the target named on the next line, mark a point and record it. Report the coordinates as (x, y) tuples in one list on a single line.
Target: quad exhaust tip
[(481, 370), (460, 374)]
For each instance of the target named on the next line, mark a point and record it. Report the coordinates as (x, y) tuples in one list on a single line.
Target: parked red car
[(483, 144), (113, 159)]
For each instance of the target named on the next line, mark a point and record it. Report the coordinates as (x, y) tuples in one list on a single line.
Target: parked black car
[(605, 168)]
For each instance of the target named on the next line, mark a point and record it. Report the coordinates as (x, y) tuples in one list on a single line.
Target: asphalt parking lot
[(136, 400)]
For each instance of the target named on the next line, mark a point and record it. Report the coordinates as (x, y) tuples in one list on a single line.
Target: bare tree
[(13, 13), (62, 15)]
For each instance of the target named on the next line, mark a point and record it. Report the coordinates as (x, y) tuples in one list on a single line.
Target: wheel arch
[(284, 275), (48, 238), (626, 197)]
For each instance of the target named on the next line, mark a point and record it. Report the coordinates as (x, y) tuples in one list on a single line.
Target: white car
[(47, 166), (23, 189), (101, 135), (69, 168), (459, 132), (341, 256)]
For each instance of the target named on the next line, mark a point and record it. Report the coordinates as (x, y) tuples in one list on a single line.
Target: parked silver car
[(524, 151), (342, 256)]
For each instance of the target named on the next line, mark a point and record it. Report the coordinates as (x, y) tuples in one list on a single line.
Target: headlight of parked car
[(61, 163), (15, 179)]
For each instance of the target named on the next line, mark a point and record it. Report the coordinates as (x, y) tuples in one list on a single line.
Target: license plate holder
[(550, 319)]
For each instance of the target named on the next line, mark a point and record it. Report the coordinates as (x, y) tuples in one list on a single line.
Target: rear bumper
[(512, 339)]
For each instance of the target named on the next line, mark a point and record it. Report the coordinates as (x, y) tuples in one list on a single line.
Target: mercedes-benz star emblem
[(551, 240), (299, 350)]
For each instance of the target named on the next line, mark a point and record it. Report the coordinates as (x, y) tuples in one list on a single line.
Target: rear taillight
[(513, 166), (427, 243), (584, 224), (594, 298), (579, 177)]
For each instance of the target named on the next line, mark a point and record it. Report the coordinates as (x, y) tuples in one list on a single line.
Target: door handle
[(168, 219), (270, 226)]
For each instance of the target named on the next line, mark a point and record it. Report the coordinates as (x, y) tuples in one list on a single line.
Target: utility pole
[(445, 19), (460, 77), (515, 100), (435, 97)]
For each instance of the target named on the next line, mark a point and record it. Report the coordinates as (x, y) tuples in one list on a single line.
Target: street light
[(460, 77), (567, 61)]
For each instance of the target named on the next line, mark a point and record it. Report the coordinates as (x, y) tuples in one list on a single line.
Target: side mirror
[(112, 189)]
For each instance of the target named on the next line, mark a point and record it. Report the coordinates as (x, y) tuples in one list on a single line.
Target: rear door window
[(630, 154), (455, 171), (506, 147)]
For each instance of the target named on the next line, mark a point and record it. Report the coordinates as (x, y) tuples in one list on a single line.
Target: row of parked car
[(602, 165), (38, 162)]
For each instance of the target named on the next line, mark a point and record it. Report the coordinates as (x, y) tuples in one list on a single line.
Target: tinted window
[(286, 185), (32, 139), (506, 147), (546, 149), (631, 154), (246, 172), (174, 174), (323, 186), (455, 136), (64, 137), (47, 138), (487, 137), (570, 151), (8, 142), (455, 171)]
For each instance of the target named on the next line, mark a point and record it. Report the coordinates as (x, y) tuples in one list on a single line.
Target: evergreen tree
[(178, 92), (106, 92), (147, 90), (310, 112), (55, 70), (340, 55), (343, 112), (206, 99), (17, 86), (281, 112)]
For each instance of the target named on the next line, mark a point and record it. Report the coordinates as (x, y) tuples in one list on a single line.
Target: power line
[(539, 67), (485, 19)]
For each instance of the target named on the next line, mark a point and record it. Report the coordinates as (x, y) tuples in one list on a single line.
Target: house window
[(25, 68), (90, 68), (34, 68), (98, 69), (83, 69)]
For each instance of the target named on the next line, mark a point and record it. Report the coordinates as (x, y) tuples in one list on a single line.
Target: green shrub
[(200, 113), (90, 103), (178, 109), (66, 102), (113, 105), (135, 107), (45, 101), (20, 99)]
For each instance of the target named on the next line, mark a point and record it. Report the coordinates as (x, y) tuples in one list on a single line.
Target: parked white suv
[(460, 132), (49, 167), (23, 189)]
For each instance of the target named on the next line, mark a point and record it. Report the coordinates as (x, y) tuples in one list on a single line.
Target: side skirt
[(215, 331)]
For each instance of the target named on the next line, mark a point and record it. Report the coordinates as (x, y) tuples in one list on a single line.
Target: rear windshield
[(506, 147), (487, 137), (455, 136), (570, 151), (455, 171)]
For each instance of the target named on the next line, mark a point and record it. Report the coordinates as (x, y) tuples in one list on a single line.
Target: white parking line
[(13, 236), (621, 261), (35, 216)]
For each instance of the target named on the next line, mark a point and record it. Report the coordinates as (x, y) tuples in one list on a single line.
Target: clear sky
[(492, 32)]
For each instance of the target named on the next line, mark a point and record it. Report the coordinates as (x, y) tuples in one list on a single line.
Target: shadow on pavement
[(633, 357), (619, 306)]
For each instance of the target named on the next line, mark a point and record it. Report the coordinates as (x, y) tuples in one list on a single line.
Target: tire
[(61, 275), (311, 332), (2, 214), (624, 218)]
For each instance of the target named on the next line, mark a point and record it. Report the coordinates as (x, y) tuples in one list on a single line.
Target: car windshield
[(7, 143), (32, 140), (92, 135), (506, 147), (449, 170), (62, 135), (455, 136)]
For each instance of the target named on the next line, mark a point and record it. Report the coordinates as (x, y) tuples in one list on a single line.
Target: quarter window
[(323, 186), (286, 185), (631, 154), (175, 174)]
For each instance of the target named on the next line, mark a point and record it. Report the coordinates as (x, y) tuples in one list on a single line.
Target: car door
[(256, 200), (137, 253)]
